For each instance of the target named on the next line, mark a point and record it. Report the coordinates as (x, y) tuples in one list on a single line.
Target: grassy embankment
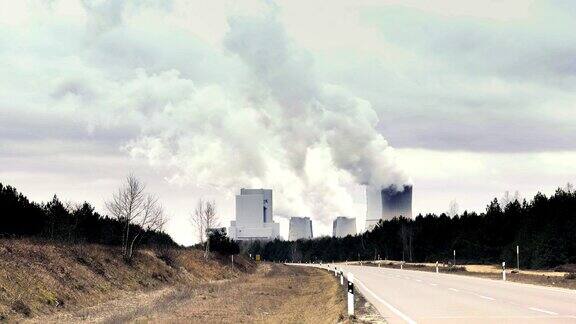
[(42, 278), (58, 283)]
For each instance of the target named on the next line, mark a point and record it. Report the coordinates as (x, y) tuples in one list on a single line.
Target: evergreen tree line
[(56, 221), (544, 229)]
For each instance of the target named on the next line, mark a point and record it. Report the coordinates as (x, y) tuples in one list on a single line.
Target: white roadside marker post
[(341, 278), (504, 271), (436, 266), (401, 265), (518, 258), (350, 294)]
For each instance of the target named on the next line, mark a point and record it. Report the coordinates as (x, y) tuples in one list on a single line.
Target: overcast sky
[(464, 99)]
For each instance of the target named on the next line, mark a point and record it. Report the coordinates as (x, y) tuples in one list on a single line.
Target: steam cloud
[(282, 128)]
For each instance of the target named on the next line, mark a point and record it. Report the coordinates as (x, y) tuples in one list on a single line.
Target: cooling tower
[(343, 226), (387, 203), (300, 228)]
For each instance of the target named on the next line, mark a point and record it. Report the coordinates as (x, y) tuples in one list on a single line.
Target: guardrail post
[(350, 294)]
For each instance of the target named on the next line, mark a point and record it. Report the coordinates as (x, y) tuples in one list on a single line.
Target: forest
[(544, 229), (64, 222)]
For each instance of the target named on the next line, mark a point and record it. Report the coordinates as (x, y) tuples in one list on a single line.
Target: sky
[(314, 99)]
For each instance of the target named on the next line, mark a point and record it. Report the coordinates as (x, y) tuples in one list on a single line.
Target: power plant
[(300, 228), (387, 203), (254, 216), (343, 226)]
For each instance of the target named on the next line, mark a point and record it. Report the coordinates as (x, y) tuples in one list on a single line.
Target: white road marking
[(418, 280), (456, 290), (385, 303), (486, 297), (433, 284), (542, 311)]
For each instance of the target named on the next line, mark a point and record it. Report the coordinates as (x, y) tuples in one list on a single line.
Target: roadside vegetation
[(67, 222), (544, 229), (61, 256), (38, 278)]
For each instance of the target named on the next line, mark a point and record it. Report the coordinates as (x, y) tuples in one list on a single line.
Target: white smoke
[(283, 129)]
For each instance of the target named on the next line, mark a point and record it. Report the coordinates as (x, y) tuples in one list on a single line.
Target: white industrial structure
[(254, 216), (343, 226), (300, 228), (387, 203)]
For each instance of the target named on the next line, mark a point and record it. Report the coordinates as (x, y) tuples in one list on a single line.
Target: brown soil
[(274, 293)]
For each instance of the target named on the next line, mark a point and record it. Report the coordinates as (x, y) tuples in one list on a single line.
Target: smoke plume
[(281, 129)]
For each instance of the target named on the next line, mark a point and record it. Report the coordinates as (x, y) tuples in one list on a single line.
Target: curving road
[(405, 296)]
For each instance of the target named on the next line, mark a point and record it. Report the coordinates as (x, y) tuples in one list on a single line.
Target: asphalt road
[(405, 296)]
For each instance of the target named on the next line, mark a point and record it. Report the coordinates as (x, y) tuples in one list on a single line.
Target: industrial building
[(300, 228), (254, 216), (343, 226), (387, 203)]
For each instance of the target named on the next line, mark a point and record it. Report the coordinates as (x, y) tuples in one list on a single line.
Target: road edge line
[(385, 303)]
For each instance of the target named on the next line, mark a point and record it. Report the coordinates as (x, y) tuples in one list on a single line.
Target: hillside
[(39, 278)]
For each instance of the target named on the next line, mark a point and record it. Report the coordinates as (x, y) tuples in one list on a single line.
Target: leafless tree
[(197, 220), (406, 235), (569, 188), (508, 198), (133, 207), (210, 221), (204, 218), (453, 209), (152, 219)]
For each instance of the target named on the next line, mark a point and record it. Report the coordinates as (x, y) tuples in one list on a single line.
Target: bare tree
[(508, 198), (406, 235), (210, 221), (453, 208), (197, 220), (134, 208), (203, 219), (152, 219)]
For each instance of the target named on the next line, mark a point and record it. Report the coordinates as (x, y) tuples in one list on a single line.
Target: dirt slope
[(38, 279)]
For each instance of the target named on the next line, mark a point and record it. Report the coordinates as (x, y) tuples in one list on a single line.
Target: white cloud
[(304, 97)]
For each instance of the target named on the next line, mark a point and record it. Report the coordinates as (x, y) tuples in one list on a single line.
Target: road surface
[(405, 296)]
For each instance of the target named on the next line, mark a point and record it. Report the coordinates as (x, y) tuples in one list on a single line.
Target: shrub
[(571, 267), (170, 257), (21, 308), (456, 269), (570, 276)]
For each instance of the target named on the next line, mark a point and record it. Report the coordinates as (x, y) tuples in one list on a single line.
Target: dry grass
[(275, 293), (39, 279)]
